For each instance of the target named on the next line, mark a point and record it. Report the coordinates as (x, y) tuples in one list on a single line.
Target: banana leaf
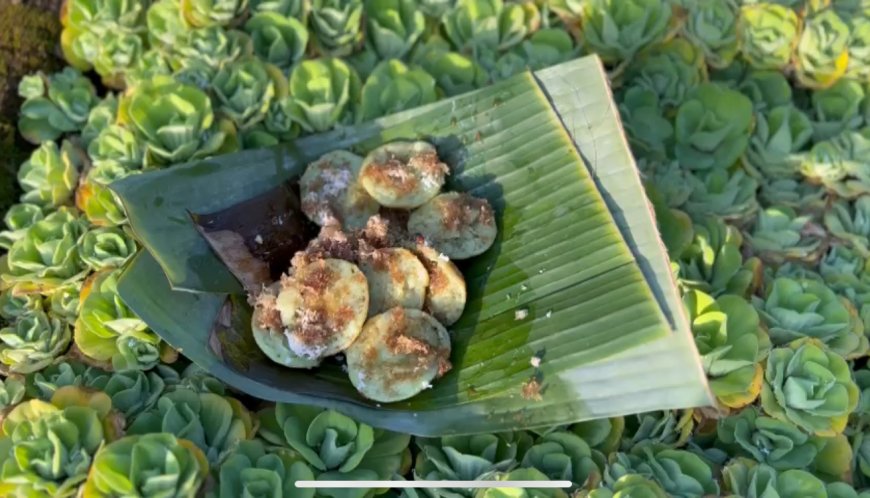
[(571, 315)]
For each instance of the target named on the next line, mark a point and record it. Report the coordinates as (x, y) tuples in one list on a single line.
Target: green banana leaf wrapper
[(572, 315)]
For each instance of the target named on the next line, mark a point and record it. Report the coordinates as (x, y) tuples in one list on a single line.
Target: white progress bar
[(432, 484)]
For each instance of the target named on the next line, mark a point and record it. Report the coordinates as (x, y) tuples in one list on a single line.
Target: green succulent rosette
[(47, 448), (822, 52), (838, 108), (18, 219), (781, 445), (133, 391), (672, 182), (779, 137), (794, 193), (277, 39), (205, 50), (840, 163), (288, 8), (206, 13), (63, 372), (546, 47), (64, 302), (12, 391), (108, 331), (245, 88), (473, 26), (603, 434), (665, 428), (99, 204), (671, 70), (617, 29), (714, 264), (768, 33), (324, 93), (336, 26), (165, 24), (192, 377), (48, 178), (175, 121), (435, 9), (729, 194), (455, 73), (252, 469), (711, 26), (334, 445), (394, 26), (845, 272), (730, 341), (680, 473), (712, 127), (767, 89), (522, 474), (47, 256), (628, 486), (14, 304), (795, 309), (215, 424), (147, 466), (810, 386), (781, 234), (393, 87), (108, 247), (563, 455), (117, 53), (278, 125), (744, 477), (103, 114), (54, 104), (859, 48), (849, 221), (114, 152), (650, 133)]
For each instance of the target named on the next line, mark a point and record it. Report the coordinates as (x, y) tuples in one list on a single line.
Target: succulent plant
[(99, 204), (617, 29), (838, 108), (394, 87), (215, 424), (859, 42), (781, 234), (563, 455), (775, 147), (603, 434), (394, 26), (210, 49), (672, 182), (810, 386), (55, 104), (782, 445), (850, 222), (151, 63), (838, 163), (822, 55), (252, 469), (720, 192), (108, 247), (47, 256), (454, 72), (277, 39), (714, 264), (149, 466), (629, 486), (712, 27), (680, 473), (731, 342), (334, 445), (768, 33), (32, 341), (245, 88), (48, 178), (192, 377), (205, 13), (133, 391), (712, 127), (288, 8), (324, 93), (18, 219), (106, 329), (521, 474), (175, 121), (166, 26), (767, 89), (336, 25), (117, 53), (62, 372), (102, 114), (473, 26), (744, 477), (650, 134), (665, 428), (47, 448), (12, 391), (794, 309), (671, 70)]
